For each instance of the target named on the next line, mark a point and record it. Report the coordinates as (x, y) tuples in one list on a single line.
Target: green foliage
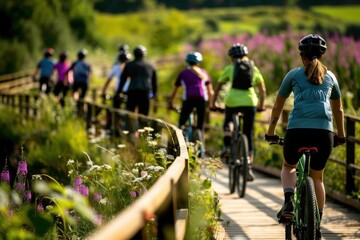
[(204, 208)]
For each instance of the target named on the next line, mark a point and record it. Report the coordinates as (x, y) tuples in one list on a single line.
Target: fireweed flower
[(27, 196), (77, 181), (20, 186), (22, 168), (97, 197), (84, 190), (5, 176), (133, 194), (40, 207)]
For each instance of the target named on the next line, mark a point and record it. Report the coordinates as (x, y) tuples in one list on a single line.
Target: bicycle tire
[(308, 209), (242, 164), (232, 178), (288, 234)]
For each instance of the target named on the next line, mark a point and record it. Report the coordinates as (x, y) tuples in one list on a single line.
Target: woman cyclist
[(317, 99), (197, 90), (241, 97), (62, 84)]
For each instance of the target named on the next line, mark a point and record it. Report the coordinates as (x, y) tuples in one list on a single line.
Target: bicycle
[(306, 218), (192, 134), (238, 160)]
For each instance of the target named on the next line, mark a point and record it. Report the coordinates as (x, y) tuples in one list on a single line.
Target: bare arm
[(216, 93), (210, 91), (262, 95), (275, 114), (172, 96), (338, 114)]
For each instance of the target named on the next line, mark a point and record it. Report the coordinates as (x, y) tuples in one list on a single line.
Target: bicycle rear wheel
[(242, 164), (308, 205)]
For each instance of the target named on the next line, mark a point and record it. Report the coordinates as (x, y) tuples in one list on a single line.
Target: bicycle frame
[(302, 171)]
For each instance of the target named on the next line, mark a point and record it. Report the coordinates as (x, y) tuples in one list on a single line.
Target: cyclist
[(116, 70), (240, 98), (45, 67), (81, 71), (197, 91), (143, 82), (317, 99), (62, 84)]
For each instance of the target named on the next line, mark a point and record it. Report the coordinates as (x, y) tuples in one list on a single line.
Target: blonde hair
[(315, 71)]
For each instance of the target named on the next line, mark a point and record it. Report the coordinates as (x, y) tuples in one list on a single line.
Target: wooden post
[(350, 155)]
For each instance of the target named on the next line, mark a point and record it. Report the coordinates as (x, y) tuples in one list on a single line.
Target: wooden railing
[(166, 202)]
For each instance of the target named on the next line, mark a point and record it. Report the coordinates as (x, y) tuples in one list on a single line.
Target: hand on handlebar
[(338, 141), (272, 138)]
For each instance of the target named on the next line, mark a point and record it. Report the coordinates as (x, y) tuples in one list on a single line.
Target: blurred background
[(170, 29)]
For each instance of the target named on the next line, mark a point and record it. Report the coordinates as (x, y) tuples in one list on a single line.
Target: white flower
[(70, 172), (135, 171), (151, 168), (158, 169), (139, 164), (89, 162), (121, 145), (36, 177), (94, 168), (106, 167), (141, 130), (137, 180), (144, 173), (125, 132), (70, 162), (103, 201), (149, 129), (152, 143)]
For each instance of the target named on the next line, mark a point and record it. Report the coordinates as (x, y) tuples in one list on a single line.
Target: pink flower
[(27, 196), (97, 197), (5, 176), (77, 181), (84, 190), (99, 219), (133, 194), (20, 186), (40, 208), (22, 168)]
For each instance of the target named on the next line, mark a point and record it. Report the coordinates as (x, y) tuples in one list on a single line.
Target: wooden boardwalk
[(254, 217)]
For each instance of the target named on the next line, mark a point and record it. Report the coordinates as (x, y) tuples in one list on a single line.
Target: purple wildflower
[(27, 196), (99, 219), (133, 194), (20, 186), (22, 168), (77, 181), (97, 197), (40, 208), (10, 212), (5, 176), (84, 190)]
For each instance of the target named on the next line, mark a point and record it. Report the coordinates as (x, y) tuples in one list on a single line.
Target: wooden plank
[(254, 216), (181, 221)]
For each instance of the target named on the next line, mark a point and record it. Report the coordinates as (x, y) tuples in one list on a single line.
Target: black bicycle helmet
[(123, 47), (63, 55), (82, 53), (49, 52), (193, 57), (139, 51), (238, 50), (124, 56), (312, 44)]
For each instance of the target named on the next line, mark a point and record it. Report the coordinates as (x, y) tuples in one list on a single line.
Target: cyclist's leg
[(227, 130), (323, 140), (186, 109)]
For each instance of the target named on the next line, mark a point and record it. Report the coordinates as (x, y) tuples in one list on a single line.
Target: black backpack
[(243, 75)]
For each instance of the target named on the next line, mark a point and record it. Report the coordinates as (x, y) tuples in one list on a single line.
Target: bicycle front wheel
[(232, 177), (308, 205), (242, 164)]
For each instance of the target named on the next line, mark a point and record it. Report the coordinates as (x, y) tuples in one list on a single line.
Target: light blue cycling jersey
[(312, 107)]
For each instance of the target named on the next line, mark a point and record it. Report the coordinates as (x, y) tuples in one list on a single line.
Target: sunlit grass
[(348, 13)]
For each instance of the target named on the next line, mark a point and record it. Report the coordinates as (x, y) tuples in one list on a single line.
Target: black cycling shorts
[(307, 137)]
